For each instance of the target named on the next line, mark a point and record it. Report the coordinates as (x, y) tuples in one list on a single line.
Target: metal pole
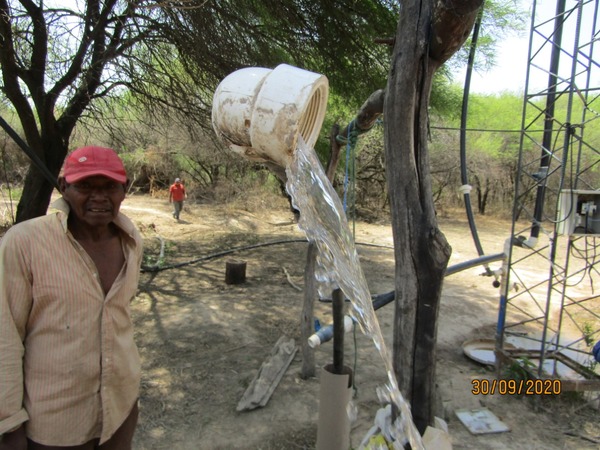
[(338, 331)]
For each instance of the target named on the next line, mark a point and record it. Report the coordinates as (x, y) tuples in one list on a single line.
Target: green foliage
[(588, 331), (8, 197), (446, 97), (588, 334), (157, 253), (339, 111), (519, 369), (333, 38), (491, 153)]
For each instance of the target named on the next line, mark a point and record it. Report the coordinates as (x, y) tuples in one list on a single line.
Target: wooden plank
[(269, 375)]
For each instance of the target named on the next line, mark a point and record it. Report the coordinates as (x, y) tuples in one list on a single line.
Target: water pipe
[(333, 429), (482, 260), (501, 322), (259, 113), (325, 333)]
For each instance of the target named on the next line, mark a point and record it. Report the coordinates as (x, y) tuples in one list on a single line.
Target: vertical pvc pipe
[(333, 430)]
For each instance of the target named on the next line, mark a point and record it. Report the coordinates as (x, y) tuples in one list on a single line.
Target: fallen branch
[(581, 436), (287, 275)]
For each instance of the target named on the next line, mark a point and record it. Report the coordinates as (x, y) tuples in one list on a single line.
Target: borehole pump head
[(260, 113)]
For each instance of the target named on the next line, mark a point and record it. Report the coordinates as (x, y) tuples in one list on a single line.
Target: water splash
[(323, 220)]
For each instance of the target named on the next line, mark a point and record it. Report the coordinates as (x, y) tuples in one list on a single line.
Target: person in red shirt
[(177, 195)]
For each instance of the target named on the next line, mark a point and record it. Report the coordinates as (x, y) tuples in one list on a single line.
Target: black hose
[(463, 137), (157, 268)]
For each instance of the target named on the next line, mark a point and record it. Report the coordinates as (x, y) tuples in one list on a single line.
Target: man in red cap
[(69, 367)]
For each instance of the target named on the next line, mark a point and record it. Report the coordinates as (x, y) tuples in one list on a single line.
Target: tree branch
[(451, 24)]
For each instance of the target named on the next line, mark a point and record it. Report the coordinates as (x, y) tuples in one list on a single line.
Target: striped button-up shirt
[(69, 366)]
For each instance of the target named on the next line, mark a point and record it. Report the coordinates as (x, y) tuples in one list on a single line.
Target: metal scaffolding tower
[(549, 314)]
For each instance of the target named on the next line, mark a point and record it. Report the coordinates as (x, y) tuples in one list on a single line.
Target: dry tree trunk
[(428, 33)]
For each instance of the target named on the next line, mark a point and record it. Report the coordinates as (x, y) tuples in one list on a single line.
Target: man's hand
[(14, 440)]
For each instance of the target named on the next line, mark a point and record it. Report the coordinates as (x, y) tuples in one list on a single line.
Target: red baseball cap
[(89, 161)]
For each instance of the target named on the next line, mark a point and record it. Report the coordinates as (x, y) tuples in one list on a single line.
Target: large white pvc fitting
[(260, 113)]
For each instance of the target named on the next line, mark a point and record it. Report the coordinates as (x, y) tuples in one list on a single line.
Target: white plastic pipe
[(326, 333), (260, 113)]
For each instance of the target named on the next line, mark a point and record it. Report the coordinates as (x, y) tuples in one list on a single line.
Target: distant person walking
[(177, 195)]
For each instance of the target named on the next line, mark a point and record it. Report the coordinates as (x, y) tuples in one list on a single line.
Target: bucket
[(260, 113)]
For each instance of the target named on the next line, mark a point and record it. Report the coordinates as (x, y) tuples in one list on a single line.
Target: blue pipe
[(325, 333)]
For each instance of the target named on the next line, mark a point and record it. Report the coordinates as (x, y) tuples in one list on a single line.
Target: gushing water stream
[(323, 220)]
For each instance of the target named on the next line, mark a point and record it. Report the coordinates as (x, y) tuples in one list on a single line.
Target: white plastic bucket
[(260, 113)]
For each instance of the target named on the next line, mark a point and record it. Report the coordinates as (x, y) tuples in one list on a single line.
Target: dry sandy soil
[(202, 341)]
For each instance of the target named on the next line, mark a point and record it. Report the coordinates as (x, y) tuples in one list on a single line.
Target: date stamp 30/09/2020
[(484, 386)]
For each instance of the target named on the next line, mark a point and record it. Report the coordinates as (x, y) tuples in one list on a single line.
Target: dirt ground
[(202, 341)]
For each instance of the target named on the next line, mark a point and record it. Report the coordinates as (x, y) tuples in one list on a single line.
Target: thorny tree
[(56, 63), (60, 62)]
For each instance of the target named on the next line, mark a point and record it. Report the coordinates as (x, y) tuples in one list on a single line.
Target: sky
[(512, 55), (509, 73)]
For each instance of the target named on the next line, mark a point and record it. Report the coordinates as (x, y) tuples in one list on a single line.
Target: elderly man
[(69, 367)]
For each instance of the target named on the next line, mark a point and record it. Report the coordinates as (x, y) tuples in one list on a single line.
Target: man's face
[(94, 201)]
